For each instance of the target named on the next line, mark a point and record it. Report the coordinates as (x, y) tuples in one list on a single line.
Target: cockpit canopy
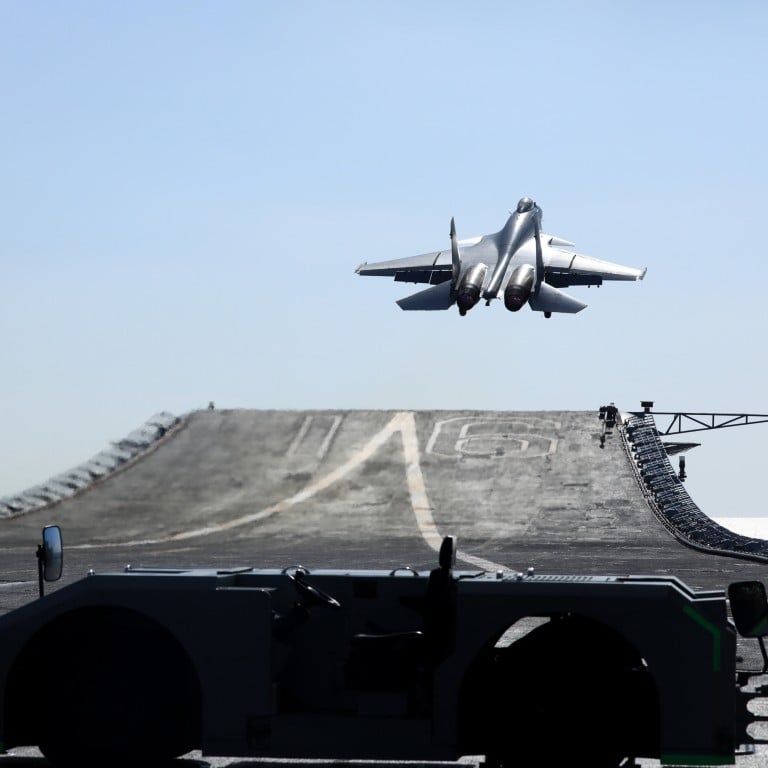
[(525, 205)]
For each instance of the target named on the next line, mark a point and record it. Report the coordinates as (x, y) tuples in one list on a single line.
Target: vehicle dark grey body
[(371, 665)]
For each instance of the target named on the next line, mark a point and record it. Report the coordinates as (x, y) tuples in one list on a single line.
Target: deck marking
[(418, 491), (404, 423), (329, 437), (467, 434), (300, 435)]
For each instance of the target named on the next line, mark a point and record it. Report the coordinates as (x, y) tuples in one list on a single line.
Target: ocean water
[(754, 527)]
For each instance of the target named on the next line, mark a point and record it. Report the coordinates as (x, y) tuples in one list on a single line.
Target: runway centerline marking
[(418, 492), (404, 423)]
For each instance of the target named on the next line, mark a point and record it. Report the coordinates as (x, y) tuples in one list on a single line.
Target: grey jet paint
[(519, 263)]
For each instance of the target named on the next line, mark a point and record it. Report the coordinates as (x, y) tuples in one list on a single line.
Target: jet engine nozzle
[(519, 287), (469, 288)]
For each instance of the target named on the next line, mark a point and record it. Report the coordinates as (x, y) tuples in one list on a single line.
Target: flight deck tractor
[(517, 668)]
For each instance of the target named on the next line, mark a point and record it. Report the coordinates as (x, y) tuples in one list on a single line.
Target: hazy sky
[(187, 187)]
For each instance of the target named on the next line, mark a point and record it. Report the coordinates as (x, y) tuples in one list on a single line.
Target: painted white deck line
[(329, 437), (300, 435), (404, 423)]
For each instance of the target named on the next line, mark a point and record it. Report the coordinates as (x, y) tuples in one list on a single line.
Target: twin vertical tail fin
[(439, 296), (539, 258), (455, 258), (545, 297)]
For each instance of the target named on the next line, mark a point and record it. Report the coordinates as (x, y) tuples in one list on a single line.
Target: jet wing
[(433, 268), (564, 268)]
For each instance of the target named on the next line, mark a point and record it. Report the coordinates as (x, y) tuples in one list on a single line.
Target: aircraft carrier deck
[(365, 489)]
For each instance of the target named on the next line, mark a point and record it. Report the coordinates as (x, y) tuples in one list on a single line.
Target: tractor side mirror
[(50, 556), (749, 607)]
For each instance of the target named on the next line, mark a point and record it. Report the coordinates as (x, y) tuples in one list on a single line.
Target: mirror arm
[(40, 557)]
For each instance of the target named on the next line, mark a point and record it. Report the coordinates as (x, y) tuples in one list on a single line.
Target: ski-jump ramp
[(358, 489)]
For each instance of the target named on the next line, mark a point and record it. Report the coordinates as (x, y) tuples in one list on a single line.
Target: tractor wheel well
[(572, 676), (100, 673)]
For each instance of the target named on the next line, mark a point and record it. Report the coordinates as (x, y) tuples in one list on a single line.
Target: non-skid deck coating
[(362, 489)]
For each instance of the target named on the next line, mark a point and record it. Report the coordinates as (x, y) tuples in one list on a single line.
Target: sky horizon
[(188, 188)]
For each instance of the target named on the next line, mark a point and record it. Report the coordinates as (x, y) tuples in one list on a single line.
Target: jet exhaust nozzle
[(519, 287), (470, 287)]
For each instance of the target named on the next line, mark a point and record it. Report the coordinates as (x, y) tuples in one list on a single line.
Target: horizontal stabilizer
[(436, 297), (550, 299)]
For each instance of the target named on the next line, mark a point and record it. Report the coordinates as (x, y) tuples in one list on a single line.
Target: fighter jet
[(519, 263)]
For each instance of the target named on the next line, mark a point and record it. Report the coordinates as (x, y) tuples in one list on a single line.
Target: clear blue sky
[(187, 187)]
